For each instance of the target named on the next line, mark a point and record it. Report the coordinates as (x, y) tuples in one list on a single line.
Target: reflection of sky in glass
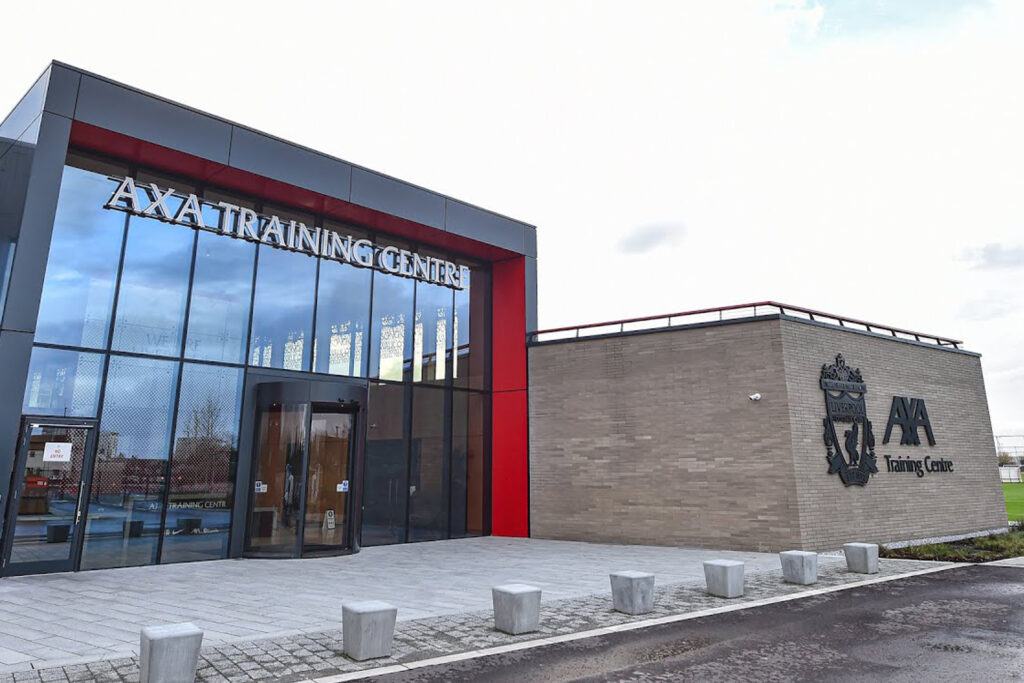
[(65, 383), (82, 265), (137, 406), (392, 334), (218, 318), (342, 315), (154, 285), (282, 319)]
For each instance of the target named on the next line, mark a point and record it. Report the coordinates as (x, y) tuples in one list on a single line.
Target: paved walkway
[(316, 655), (64, 618)]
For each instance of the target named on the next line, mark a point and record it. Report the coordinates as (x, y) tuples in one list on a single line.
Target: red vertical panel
[(510, 483)]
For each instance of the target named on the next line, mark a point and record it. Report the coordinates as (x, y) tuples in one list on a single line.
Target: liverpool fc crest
[(852, 457)]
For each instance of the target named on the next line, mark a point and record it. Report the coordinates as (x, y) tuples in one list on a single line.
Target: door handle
[(78, 509)]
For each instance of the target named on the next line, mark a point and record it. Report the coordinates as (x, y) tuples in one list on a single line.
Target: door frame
[(310, 388), (28, 422), (349, 531)]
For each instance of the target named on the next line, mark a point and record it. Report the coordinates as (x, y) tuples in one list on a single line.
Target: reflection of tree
[(202, 454), (204, 421)]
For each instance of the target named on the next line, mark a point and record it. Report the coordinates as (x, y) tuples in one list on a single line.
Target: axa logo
[(910, 414)]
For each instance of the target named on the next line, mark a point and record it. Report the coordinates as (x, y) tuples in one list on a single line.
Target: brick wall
[(894, 506), (650, 438)]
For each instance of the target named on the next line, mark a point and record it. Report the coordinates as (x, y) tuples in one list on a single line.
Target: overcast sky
[(860, 157)]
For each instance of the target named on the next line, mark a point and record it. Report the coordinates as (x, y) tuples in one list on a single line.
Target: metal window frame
[(82, 159)]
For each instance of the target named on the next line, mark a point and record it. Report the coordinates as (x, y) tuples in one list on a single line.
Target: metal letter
[(405, 262), (226, 212), (273, 227), (190, 213), (382, 259), (420, 267), (158, 209), (247, 224), (308, 241), (125, 192), (362, 250)]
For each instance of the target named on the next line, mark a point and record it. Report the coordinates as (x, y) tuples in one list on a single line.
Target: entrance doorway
[(46, 508), (303, 462)]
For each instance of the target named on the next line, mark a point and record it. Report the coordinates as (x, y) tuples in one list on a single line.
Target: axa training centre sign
[(846, 413), (242, 222)]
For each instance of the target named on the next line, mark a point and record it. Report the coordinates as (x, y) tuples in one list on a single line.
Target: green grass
[(1014, 494)]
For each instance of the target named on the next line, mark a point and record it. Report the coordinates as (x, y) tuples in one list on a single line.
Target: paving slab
[(237, 600), (315, 655)]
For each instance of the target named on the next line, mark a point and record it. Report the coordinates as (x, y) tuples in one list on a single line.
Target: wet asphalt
[(964, 624)]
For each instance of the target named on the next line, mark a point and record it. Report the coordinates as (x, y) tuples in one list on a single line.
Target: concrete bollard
[(367, 629), (632, 592), (861, 558), (724, 578), (516, 608), (169, 653), (799, 567)]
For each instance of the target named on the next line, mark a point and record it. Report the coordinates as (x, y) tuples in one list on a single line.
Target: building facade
[(771, 430), (216, 343)]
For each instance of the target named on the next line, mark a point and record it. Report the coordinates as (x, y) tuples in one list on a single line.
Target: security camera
[(754, 397)]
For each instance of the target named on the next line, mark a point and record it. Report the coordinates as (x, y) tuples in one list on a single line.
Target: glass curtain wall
[(149, 326)]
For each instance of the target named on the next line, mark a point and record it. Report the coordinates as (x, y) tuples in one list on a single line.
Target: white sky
[(857, 157)]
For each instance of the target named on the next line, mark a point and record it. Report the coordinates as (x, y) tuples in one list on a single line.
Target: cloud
[(651, 236), (996, 256), (990, 307), (824, 19)]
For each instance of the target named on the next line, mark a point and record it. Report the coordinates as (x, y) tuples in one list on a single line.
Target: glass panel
[(343, 310), (428, 468), (205, 446), (432, 339), (471, 316), (273, 526), (469, 410), (391, 337), (78, 289), (126, 495), (154, 287), (282, 320), (218, 318), (327, 480), (65, 383), (386, 466), (45, 524)]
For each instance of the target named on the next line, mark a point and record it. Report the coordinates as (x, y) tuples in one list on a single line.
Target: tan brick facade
[(651, 438)]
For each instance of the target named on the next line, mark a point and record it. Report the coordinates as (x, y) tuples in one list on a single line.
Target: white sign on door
[(57, 451)]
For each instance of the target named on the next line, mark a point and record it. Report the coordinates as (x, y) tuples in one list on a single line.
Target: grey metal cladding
[(531, 241), (483, 226), (62, 91), (15, 352), (397, 198), (26, 281), (272, 158), (141, 116), (531, 293)]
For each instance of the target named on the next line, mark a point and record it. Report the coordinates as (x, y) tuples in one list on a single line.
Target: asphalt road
[(965, 624)]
